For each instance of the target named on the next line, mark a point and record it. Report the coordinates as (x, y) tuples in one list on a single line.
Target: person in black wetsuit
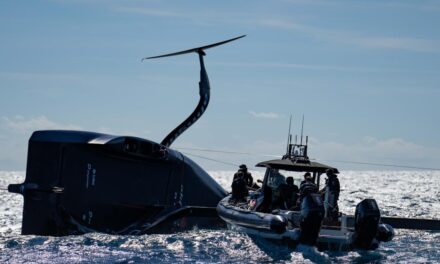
[(243, 172), (239, 189), (242, 180)]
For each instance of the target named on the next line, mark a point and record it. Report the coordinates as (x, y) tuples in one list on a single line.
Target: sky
[(365, 74)]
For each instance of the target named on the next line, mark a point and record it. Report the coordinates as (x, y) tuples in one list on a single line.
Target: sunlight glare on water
[(398, 193)]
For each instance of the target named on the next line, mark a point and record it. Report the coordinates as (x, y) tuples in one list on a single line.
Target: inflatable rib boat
[(310, 219)]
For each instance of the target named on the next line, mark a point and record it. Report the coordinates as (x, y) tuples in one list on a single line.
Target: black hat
[(331, 171), (243, 166)]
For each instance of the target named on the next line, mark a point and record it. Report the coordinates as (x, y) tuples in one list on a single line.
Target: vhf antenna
[(302, 130), (289, 136)]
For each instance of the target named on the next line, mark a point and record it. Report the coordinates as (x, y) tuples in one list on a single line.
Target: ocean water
[(398, 193)]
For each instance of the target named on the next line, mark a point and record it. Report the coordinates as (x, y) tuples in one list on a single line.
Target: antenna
[(289, 137), (204, 90), (302, 130)]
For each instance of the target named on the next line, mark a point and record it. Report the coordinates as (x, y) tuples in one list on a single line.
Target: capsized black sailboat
[(79, 182)]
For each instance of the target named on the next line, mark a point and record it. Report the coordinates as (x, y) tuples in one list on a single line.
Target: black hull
[(80, 182)]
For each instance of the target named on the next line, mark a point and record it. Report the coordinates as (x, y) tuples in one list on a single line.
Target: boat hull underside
[(80, 182)]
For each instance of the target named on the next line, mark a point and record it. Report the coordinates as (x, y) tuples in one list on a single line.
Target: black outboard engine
[(366, 222), (385, 233), (312, 213)]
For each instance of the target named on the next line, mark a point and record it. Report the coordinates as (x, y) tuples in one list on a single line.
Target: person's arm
[(338, 186), (251, 180)]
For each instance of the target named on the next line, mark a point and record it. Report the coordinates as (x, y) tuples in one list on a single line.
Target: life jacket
[(334, 187), (246, 175), (239, 189), (248, 178), (306, 188)]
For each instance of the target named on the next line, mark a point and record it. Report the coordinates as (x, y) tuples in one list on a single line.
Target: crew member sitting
[(289, 193)]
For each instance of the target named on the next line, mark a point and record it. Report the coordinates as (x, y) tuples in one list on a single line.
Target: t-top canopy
[(296, 165)]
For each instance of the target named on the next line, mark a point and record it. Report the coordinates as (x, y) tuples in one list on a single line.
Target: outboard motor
[(385, 232), (312, 213), (366, 222)]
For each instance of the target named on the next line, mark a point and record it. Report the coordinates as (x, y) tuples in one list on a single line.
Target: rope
[(219, 161), (232, 152), (340, 161), (384, 165)]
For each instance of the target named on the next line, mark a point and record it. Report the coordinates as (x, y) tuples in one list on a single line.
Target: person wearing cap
[(331, 193)]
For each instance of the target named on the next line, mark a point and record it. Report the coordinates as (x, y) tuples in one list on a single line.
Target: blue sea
[(398, 193)]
